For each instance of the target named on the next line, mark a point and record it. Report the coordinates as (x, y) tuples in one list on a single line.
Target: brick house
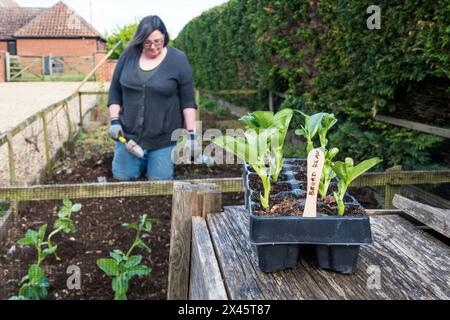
[(57, 31)]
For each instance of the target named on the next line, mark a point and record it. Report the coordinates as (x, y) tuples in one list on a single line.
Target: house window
[(57, 65), (53, 65), (12, 47)]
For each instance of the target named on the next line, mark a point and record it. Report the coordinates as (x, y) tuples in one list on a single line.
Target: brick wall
[(3, 46), (56, 47), (106, 70), (2, 66)]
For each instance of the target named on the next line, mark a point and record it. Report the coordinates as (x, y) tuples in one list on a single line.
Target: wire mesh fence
[(31, 146)]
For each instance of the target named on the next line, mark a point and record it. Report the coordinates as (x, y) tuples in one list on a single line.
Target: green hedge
[(323, 54)]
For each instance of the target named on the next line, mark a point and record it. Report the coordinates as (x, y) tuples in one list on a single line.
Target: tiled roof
[(13, 18), (59, 21), (8, 3)]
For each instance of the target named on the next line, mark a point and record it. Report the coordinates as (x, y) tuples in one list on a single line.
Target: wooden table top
[(410, 263)]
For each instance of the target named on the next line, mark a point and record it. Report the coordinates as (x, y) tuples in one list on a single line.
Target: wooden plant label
[(316, 159)]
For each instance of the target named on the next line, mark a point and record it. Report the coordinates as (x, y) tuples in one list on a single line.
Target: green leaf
[(50, 250), (130, 226), (67, 203), (117, 255), (35, 272), (133, 261), (31, 238), (140, 271), (65, 224), (263, 118), (108, 266), (41, 233), (142, 245), (76, 207), (362, 167), (17, 298), (250, 121)]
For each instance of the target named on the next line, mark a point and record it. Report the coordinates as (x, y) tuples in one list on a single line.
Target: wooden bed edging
[(206, 282), (189, 200)]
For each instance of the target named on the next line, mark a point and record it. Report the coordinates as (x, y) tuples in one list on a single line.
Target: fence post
[(12, 175), (180, 240), (8, 66), (197, 101), (80, 107), (69, 122), (43, 67), (48, 157), (12, 170), (50, 65), (271, 101), (391, 190)]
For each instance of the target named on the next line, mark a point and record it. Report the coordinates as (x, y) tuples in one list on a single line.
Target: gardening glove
[(115, 129)]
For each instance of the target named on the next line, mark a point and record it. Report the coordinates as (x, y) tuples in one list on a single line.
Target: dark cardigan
[(150, 111)]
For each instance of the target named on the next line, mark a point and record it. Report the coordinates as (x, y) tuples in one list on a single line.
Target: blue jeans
[(158, 163)]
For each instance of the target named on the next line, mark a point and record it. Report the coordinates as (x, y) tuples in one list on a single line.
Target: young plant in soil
[(64, 222), (34, 285), (309, 129), (328, 120), (122, 267), (347, 172), (262, 120), (255, 149)]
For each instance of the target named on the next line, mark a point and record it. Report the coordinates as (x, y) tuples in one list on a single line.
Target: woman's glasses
[(157, 42)]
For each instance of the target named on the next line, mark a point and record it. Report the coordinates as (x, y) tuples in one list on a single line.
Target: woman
[(151, 95)]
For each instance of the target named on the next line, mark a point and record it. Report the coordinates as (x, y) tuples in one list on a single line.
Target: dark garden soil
[(294, 205), (99, 230)]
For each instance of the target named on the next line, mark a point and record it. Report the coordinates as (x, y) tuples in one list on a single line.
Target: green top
[(145, 75)]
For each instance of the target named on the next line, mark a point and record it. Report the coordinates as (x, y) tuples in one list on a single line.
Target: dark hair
[(145, 28)]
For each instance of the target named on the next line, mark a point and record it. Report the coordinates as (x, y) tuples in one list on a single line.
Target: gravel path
[(19, 100)]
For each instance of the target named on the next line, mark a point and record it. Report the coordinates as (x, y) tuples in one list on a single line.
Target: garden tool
[(132, 147), (316, 160)]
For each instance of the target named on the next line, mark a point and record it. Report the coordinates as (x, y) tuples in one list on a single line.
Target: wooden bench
[(410, 263)]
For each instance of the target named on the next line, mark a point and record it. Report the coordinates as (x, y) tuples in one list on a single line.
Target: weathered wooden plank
[(438, 219), (180, 241), (382, 212), (443, 132), (417, 261), (206, 281), (108, 190), (402, 178), (235, 91), (412, 265), (422, 196)]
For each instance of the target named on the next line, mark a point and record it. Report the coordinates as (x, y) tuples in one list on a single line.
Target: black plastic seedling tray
[(282, 240)]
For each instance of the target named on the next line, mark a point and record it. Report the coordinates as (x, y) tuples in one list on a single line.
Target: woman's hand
[(115, 129)]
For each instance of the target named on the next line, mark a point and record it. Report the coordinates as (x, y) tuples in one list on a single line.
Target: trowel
[(132, 147)]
